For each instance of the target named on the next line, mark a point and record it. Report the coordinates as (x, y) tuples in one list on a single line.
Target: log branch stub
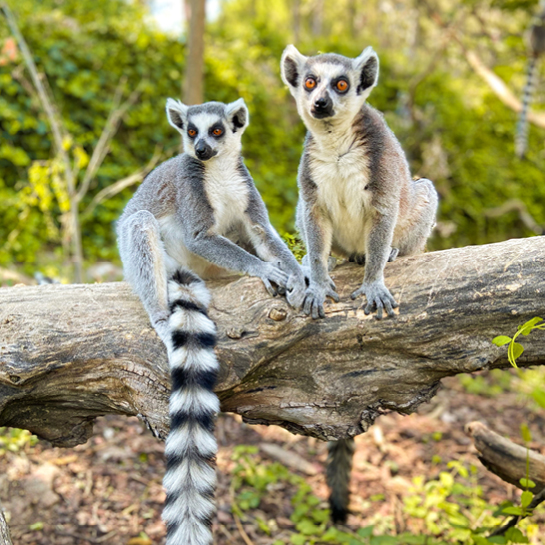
[(506, 459), (69, 353)]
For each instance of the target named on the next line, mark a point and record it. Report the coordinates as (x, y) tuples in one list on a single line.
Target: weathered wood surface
[(5, 537), (70, 353), (507, 459)]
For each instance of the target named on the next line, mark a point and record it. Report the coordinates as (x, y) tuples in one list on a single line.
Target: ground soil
[(109, 489)]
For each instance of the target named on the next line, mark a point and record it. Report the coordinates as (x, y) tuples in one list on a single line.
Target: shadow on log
[(71, 353)]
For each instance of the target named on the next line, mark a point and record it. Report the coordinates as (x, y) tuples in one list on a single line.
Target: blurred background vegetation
[(104, 59)]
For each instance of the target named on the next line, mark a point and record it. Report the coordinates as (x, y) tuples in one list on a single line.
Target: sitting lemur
[(198, 216), (356, 198)]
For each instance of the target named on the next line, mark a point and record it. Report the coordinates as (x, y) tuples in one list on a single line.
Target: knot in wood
[(278, 314)]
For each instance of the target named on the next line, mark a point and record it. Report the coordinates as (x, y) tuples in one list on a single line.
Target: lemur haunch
[(536, 48), (198, 215), (356, 196)]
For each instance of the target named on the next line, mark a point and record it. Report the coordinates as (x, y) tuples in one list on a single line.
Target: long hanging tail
[(339, 466), (521, 136), (190, 479)]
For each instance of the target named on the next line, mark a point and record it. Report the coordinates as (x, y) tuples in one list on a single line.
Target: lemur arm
[(224, 253), (378, 247), (318, 235)]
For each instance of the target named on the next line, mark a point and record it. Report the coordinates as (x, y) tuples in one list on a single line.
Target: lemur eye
[(310, 83), (192, 132), (217, 132), (342, 85)]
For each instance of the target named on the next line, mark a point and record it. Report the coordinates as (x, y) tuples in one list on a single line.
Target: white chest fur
[(341, 173), (227, 193)]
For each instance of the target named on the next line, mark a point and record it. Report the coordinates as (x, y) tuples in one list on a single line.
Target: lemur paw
[(393, 254), (270, 272), (378, 298), (315, 296), (296, 288)]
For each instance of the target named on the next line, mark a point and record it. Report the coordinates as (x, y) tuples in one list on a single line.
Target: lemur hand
[(315, 297), (270, 272), (378, 297), (296, 288)]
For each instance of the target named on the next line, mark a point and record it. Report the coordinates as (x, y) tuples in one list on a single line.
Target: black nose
[(200, 147), (321, 102)]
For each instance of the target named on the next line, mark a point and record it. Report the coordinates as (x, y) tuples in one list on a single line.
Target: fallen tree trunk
[(509, 461), (69, 353)]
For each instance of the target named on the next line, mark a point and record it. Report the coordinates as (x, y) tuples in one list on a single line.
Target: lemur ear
[(176, 114), (238, 115), (367, 66), (291, 65)]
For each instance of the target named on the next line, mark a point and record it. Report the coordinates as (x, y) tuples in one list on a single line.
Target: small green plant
[(445, 511), (14, 440), (515, 349)]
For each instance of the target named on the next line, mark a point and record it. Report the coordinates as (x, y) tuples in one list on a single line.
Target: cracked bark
[(71, 353)]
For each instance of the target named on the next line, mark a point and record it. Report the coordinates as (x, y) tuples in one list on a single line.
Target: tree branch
[(70, 353)]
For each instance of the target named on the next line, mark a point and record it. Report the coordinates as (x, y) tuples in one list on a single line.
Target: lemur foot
[(315, 296), (378, 298)]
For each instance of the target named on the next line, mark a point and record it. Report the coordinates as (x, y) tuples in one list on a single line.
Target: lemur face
[(329, 87), (211, 129)]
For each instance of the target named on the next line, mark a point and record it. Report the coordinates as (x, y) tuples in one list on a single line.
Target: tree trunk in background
[(193, 84), (318, 18)]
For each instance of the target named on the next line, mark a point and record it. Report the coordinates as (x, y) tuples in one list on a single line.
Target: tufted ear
[(367, 66), (238, 115), (291, 66), (176, 114)]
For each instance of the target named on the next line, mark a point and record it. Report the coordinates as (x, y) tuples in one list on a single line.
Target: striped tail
[(521, 136), (190, 478), (339, 466)]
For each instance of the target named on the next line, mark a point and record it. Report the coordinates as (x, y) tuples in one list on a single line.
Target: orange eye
[(217, 132), (310, 83), (342, 85), (192, 132)]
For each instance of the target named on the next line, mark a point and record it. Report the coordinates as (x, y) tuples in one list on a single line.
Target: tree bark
[(194, 70), (5, 538), (69, 353)]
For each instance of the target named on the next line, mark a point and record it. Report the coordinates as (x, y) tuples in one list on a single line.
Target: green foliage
[(15, 440), (452, 126), (451, 507)]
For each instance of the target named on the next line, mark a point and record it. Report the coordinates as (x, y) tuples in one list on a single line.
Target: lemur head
[(211, 129), (329, 87)]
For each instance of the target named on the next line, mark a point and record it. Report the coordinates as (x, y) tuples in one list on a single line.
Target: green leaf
[(384, 540), (501, 340), (525, 433), (526, 328), (539, 397), (527, 483), (365, 531), (516, 536), (500, 540), (512, 511), (514, 352), (36, 526), (526, 498), (298, 539)]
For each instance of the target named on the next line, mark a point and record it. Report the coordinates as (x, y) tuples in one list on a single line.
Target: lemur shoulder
[(198, 216)]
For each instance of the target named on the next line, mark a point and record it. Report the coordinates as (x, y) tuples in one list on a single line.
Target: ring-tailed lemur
[(536, 48), (198, 215), (356, 197)]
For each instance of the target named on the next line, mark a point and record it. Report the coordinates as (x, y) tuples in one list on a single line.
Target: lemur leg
[(360, 258), (143, 256), (417, 228)]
